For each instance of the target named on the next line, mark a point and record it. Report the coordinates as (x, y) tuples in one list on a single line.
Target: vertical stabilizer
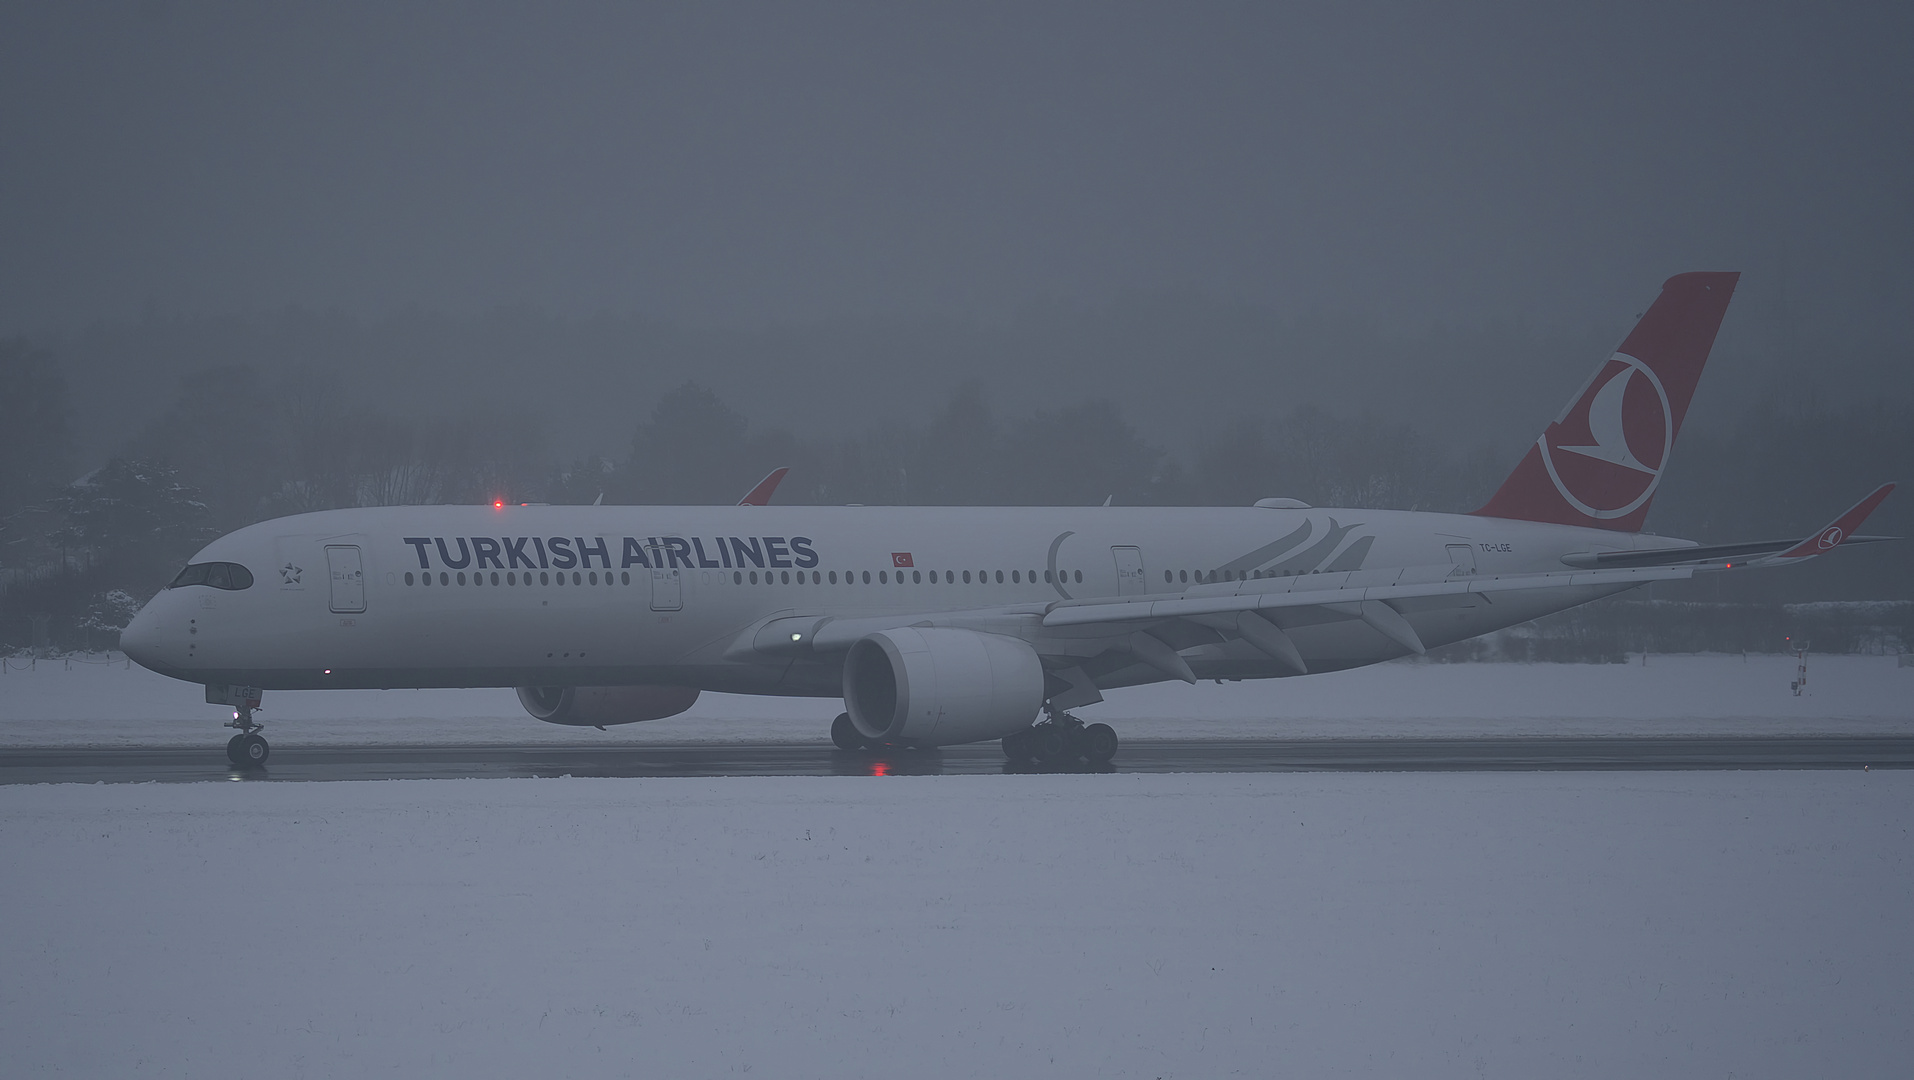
[(1600, 462)]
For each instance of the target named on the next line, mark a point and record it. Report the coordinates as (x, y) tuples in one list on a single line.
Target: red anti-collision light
[(498, 504)]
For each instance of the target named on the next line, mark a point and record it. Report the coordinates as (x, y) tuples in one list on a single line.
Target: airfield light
[(880, 769), (498, 504)]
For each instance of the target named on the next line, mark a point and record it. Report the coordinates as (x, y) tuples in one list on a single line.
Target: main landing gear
[(1061, 739), (248, 749)]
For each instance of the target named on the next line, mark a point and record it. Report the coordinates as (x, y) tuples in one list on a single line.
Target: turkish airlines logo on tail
[(1829, 539), (1606, 452)]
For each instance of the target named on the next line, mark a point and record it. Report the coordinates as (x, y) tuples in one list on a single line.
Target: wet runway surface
[(1539, 753)]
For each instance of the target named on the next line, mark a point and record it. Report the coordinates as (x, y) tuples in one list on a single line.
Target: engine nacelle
[(602, 706), (935, 687)]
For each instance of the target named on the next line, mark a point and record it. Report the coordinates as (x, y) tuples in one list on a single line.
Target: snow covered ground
[(95, 704), (1459, 925)]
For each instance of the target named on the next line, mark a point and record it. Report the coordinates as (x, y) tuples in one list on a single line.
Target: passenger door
[(1129, 565), (348, 577), (1462, 557), (667, 590)]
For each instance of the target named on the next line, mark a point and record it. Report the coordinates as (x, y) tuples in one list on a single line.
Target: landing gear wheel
[(253, 751), (232, 750), (1099, 743), (844, 734), (1045, 743), (1017, 745)]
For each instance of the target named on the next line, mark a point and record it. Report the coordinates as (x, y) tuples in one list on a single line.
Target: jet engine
[(933, 687), (601, 706)]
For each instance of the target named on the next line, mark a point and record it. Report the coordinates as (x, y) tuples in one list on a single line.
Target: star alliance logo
[(289, 574)]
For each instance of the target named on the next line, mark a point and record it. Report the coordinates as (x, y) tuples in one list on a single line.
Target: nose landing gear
[(248, 749)]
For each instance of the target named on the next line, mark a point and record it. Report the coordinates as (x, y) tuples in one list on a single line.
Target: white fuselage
[(459, 596)]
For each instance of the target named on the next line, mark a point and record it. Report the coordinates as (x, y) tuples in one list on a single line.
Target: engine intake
[(933, 687), (602, 706)]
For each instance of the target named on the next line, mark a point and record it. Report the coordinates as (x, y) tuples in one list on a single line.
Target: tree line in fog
[(83, 542)]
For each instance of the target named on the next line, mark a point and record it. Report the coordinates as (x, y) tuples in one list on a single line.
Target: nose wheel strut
[(248, 749)]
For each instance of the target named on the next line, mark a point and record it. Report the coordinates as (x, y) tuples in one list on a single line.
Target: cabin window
[(1000, 577), (408, 577), (1079, 577), (624, 577)]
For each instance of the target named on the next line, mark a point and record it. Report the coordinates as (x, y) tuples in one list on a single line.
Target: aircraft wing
[(761, 494), (1835, 534), (1251, 608)]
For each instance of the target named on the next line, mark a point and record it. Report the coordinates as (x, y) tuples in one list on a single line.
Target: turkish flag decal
[(901, 558)]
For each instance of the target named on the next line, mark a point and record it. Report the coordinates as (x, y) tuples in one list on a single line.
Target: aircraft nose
[(140, 641)]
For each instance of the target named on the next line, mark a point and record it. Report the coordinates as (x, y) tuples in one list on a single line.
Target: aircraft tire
[(1045, 743), (1099, 743), (1016, 746), (233, 753), (253, 751), (844, 734)]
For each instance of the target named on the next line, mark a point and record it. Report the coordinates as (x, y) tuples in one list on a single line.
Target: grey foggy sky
[(746, 163)]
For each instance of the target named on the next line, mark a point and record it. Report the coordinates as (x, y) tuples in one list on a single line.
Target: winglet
[(1840, 529), (761, 495)]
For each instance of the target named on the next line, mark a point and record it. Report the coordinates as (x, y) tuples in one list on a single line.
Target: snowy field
[(1751, 924), (111, 705), (1460, 925)]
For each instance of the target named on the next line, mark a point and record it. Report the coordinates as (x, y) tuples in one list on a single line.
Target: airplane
[(945, 625)]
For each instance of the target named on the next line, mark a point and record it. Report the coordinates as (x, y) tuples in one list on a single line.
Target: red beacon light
[(498, 504)]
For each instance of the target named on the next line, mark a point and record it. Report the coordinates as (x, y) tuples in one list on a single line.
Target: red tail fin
[(1600, 462)]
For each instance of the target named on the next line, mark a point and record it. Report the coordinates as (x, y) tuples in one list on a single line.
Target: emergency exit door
[(348, 578)]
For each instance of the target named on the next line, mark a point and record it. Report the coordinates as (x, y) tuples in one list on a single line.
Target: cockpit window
[(219, 575)]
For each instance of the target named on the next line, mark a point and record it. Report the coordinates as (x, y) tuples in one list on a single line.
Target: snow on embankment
[(115, 705), (1520, 925)]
